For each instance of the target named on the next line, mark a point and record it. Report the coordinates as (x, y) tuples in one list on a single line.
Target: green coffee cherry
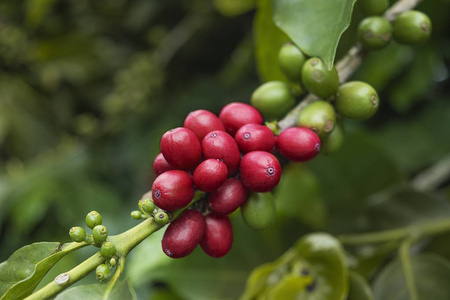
[(374, 32), (319, 116), (136, 214), (161, 218), (107, 250), (412, 27), (77, 234), (318, 80), (335, 139), (259, 211), (291, 60), (148, 205), (99, 233), (357, 100), (273, 99), (373, 7), (102, 272), (93, 219)]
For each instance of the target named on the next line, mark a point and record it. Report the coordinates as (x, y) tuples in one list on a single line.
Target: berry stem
[(347, 65), (119, 271), (405, 259)]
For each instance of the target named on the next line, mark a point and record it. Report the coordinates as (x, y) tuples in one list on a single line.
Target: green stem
[(123, 242), (414, 231), (405, 259), (119, 271)]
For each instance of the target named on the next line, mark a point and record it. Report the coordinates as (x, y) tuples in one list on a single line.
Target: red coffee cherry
[(221, 145), (160, 165), (255, 137), (260, 171), (210, 175), (298, 143), (184, 234), (173, 190), (181, 148), (218, 237), (201, 122), (228, 197), (235, 115)]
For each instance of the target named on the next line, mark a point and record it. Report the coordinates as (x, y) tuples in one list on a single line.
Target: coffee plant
[(282, 194)]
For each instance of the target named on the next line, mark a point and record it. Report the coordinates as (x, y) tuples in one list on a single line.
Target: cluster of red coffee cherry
[(227, 157)]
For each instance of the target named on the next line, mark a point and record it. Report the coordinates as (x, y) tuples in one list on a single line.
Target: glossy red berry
[(201, 122), (231, 195), (160, 165), (255, 137), (184, 234), (173, 190), (260, 171), (221, 145), (218, 237), (181, 148), (210, 175), (235, 115), (298, 143)]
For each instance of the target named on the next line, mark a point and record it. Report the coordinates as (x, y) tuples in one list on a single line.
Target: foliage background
[(87, 88)]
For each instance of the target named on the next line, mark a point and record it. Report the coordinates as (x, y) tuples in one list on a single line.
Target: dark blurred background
[(87, 88)]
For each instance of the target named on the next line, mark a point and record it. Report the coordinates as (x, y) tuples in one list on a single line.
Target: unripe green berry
[(319, 116), (374, 32), (102, 272), (136, 214), (259, 211), (113, 262), (357, 100), (412, 27), (273, 99), (77, 234), (335, 139), (148, 205), (93, 219), (291, 60), (161, 218), (107, 250), (99, 233), (318, 80), (373, 7)]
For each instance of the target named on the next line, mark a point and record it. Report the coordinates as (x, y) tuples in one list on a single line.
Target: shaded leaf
[(25, 268), (431, 274), (359, 288), (121, 291), (268, 41), (315, 26)]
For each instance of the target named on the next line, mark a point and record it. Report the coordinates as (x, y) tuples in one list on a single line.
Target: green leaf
[(359, 288), (257, 280), (431, 274), (268, 41), (122, 290), (315, 26), (326, 260), (299, 195), (25, 268), (288, 288)]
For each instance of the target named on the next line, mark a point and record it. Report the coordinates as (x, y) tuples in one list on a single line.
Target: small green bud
[(148, 205), (107, 250), (161, 218), (102, 272), (90, 239), (317, 79), (100, 233), (374, 32), (93, 219), (136, 214), (77, 234), (319, 116), (113, 262), (412, 27)]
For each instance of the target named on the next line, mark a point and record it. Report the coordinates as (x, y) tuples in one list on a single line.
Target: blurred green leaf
[(359, 288), (288, 288), (122, 290), (299, 196), (431, 274), (257, 280), (268, 41), (231, 8), (25, 268), (37, 10), (315, 26)]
